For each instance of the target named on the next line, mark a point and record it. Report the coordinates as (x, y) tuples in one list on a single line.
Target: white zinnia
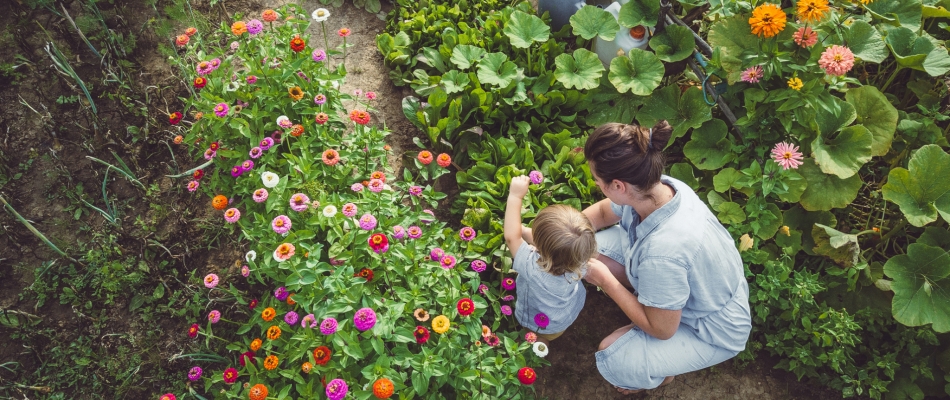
[(320, 14), (540, 349), (329, 211), (250, 256), (270, 179)]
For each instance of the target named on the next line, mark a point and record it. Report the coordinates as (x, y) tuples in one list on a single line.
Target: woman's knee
[(610, 339)]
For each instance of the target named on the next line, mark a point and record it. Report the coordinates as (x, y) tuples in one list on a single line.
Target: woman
[(689, 302)]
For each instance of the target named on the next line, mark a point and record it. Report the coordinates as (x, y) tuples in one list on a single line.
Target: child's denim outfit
[(561, 298)]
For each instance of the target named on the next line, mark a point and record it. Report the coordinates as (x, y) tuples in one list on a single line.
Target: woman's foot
[(627, 391)]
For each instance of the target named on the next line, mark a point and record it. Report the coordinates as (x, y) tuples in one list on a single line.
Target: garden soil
[(58, 145)]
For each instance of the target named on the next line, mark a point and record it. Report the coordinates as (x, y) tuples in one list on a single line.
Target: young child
[(550, 292)]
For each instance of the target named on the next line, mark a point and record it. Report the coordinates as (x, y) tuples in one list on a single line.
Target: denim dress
[(679, 258), (561, 298)]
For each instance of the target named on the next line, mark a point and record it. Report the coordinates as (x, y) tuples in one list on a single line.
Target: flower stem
[(326, 43), (891, 79)]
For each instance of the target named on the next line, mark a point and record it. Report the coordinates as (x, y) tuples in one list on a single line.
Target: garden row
[(829, 178)]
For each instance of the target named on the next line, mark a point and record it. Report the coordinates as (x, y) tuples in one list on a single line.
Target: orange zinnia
[(767, 20), (256, 344), (296, 130), (383, 388), (812, 10), (271, 362), (268, 314), (219, 202), (296, 93), (257, 392), (269, 15), (273, 333), (238, 28)]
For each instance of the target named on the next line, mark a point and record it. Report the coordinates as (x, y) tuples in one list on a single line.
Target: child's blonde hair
[(564, 238)]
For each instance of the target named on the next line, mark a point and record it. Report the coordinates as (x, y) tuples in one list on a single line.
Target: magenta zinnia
[(364, 319), (467, 234), (299, 202), (414, 232), (478, 265), (447, 262), (336, 389), (536, 177), (281, 224), (836, 60), (787, 155), (541, 320), (328, 326)]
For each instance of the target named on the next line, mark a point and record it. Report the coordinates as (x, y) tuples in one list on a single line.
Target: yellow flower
[(440, 324), (795, 83), (866, 2), (745, 243), (767, 20), (785, 231), (812, 10), (295, 93)]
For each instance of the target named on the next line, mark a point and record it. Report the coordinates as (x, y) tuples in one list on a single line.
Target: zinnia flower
[(536, 177), (270, 179), (297, 44), (336, 389), (238, 28), (506, 309), (328, 326), (247, 165), (787, 155), (378, 242), (281, 293), (482, 288), (299, 202), (251, 79), (230, 375), (182, 40), (321, 355), (812, 10), (193, 330), (221, 110), (356, 187), (478, 265), (426, 220), (319, 99), (767, 20), (364, 319), (281, 224), (273, 333), (322, 118), (260, 195), (414, 232), (367, 222), (343, 32), (447, 262), (250, 256), (444, 160), (309, 321), (254, 26), (246, 357), (232, 215), (752, 75), (246, 272), (492, 340), (349, 210), (527, 376), (508, 283), (257, 392), (399, 232), (191, 31), (421, 315), (531, 337), (440, 324), (331, 157), (383, 388), (465, 307), (284, 122), (236, 171), (194, 373), (283, 252), (174, 118), (320, 14), (198, 175), (795, 83), (266, 143), (508, 298), (421, 334), (296, 93), (541, 320), (211, 280), (376, 185), (306, 367), (291, 317), (203, 68), (268, 314), (365, 273), (319, 55), (359, 116), (371, 95), (836, 60), (192, 186), (436, 254), (269, 15), (805, 37), (329, 211), (425, 157), (467, 234), (540, 349)]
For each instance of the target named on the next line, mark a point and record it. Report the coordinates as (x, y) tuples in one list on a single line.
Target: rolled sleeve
[(664, 283), (522, 257), (616, 208)]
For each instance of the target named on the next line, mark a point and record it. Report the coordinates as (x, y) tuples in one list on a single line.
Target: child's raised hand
[(519, 186)]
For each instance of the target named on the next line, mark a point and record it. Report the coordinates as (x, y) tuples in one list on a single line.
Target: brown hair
[(564, 238), (629, 153)]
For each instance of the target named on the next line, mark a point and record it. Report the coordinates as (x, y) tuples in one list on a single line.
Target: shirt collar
[(665, 211)]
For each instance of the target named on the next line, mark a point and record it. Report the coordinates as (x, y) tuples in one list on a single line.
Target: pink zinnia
[(414, 232), (399, 232), (752, 75), (260, 195), (214, 316), (836, 60), (805, 37), (536, 177), (364, 319), (299, 202), (192, 186), (356, 187), (437, 254), (506, 309), (376, 185), (281, 224), (221, 110), (448, 262), (478, 265), (309, 321), (467, 234), (367, 222), (531, 337), (349, 209), (232, 215), (415, 190), (328, 326), (787, 155), (371, 95), (255, 152), (211, 281)]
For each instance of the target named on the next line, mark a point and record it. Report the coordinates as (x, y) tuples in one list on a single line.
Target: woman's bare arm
[(600, 215), (659, 323)]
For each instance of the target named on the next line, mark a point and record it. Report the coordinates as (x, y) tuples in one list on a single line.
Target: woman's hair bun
[(661, 133)]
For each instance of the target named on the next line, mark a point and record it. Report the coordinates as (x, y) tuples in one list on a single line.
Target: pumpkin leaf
[(917, 52), (904, 13), (591, 21), (875, 113), (865, 42), (640, 73), (920, 285), (464, 55), (922, 190), (825, 191), (454, 81), (732, 37), (674, 43), (582, 70), (683, 111), (799, 220), (708, 147), (639, 12), (844, 154), (842, 248), (731, 213), (495, 69), (524, 29)]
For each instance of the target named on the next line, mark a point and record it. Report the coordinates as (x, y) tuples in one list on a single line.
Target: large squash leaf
[(674, 43), (922, 191), (581, 71), (875, 113), (640, 73), (866, 42), (591, 21), (917, 52), (844, 154), (685, 111), (921, 286), (905, 13), (825, 191), (639, 12), (495, 69), (708, 147), (524, 29)]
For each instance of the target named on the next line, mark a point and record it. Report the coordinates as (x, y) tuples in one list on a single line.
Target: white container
[(607, 50)]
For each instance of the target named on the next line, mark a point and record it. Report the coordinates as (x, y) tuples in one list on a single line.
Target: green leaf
[(865, 42), (875, 113), (708, 147), (923, 190), (524, 29), (684, 172), (845, 153), (841, 247), (465, 55), (765, 228), (726, 179), (582, 70), (685, 111), (799, 220), (640, 73), (591, 21), (833, 115), (639, 12), (921, 288), (731, 213), (796, 186), (674, 43), (732, 37), (936, 237), (905, 13), (495, 69), (824, 191), (455, 81), (419, 383), (917, 52)]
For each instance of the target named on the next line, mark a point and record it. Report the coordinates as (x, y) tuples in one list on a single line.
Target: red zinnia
[(297, 44), (174, 118), (193, 331), (365, 273), (296, 130), (425, 157), (378, 242), (200, 82), (421, 334), (198, 174), (249, 357), (466, 307), (230, 375), (253, 304), (527, 376), (321, 355), (444, 160), (359, 116)]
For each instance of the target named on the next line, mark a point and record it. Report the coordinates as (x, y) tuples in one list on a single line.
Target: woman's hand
[(598, 274)]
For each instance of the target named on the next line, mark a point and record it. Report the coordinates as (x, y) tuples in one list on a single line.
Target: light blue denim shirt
[(681, 258), (561, 298)]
